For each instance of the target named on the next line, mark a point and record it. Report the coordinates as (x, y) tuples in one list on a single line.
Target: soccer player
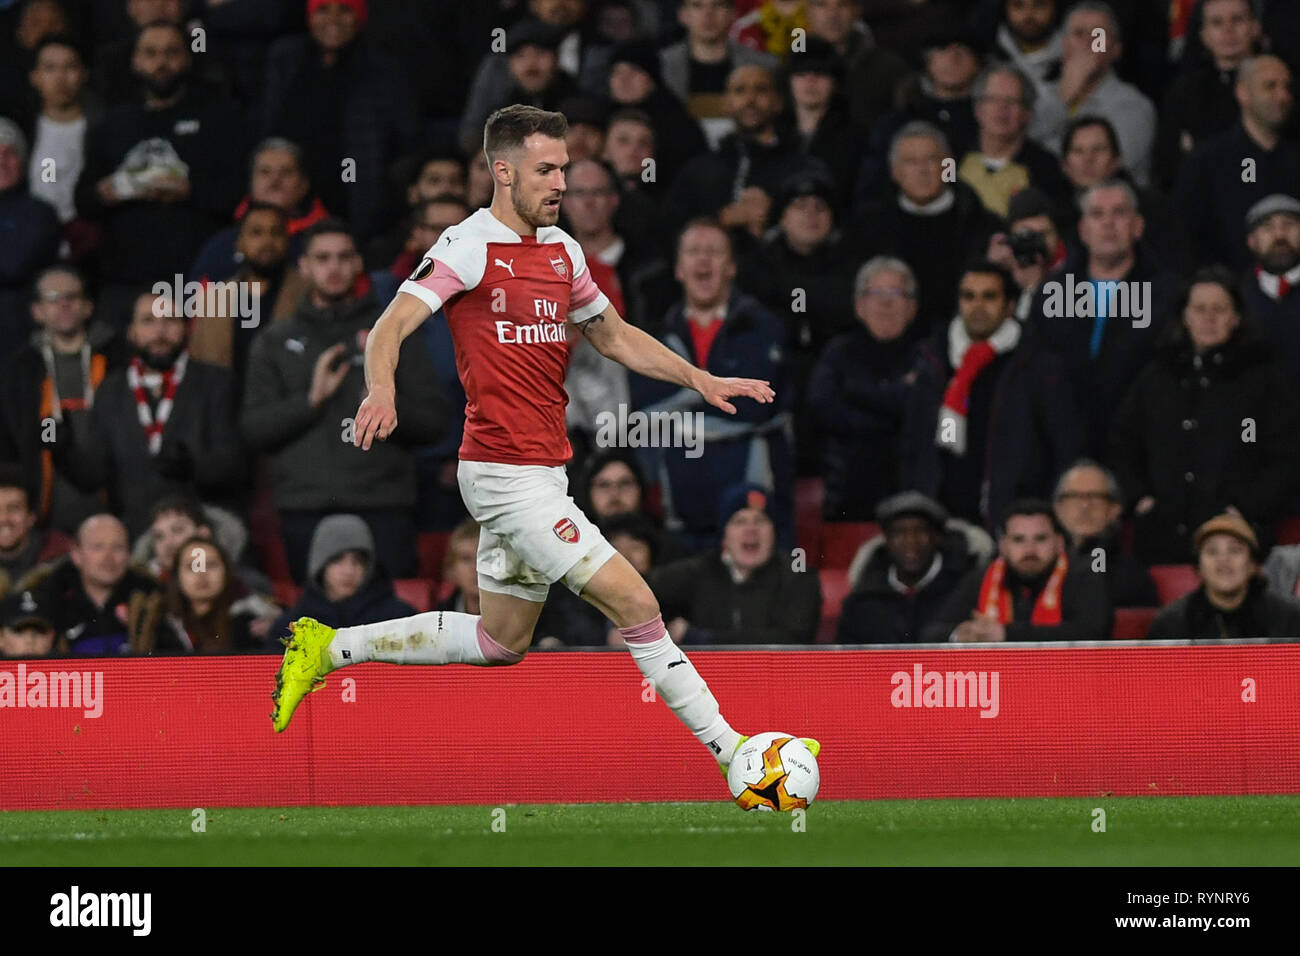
[(510, 281)]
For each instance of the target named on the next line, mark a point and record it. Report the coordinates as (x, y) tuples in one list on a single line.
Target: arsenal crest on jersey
[(561, 267), (565, 529)]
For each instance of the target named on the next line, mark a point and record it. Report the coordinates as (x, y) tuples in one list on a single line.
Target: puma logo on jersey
[(508, 266)]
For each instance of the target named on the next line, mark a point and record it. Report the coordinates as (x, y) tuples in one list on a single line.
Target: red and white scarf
[(995, 602), (969, 358), (141, 378)]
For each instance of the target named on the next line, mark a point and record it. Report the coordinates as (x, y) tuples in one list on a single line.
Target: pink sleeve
[(586, 299), (435, 288)]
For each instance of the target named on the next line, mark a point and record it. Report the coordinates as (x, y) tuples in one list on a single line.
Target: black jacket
[(1262, 614), (876, 613), (1127, 580), (374, 602)]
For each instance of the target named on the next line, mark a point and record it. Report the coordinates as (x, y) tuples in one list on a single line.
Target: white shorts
[(531, 533)]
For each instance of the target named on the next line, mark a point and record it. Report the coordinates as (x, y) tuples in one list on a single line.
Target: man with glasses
[(1088, 504)]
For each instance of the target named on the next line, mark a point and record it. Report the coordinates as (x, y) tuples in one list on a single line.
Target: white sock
[(435, 637), (682, 688)]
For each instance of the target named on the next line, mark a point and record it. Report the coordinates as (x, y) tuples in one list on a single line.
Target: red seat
[(286, 592), (1174, 580), (1132, 623), (432, 546), (808, 494), (1288, 530), (417, 592), (841, 540), (835, 588)]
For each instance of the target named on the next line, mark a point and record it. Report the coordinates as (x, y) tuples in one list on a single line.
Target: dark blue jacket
[(375, 602), (29, 241)]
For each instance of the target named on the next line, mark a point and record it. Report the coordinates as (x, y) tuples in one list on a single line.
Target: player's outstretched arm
[(377, 416), (646, 355)]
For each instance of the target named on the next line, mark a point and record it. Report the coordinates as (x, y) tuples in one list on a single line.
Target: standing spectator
[(1233, 602), (872, 72), (164, 424), (50, 382), (913, 569), (697, 69), (26, 628), (206, 605), (303, 383), (160, 171), (1105, 350), (989, 418), (1214, 191), (1201, 101), (1208, 425), (743, 592), (1089, 85), (1031, 591), (1270, 286), (1029, 38), (1088, 504), (1031, 247), (22, 544), (31, 230), (859, 389), (333, 96)]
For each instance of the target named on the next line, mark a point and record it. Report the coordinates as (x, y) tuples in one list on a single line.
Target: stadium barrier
[(582, 726)]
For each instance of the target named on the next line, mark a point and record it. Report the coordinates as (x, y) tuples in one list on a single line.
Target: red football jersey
[(509, 299)]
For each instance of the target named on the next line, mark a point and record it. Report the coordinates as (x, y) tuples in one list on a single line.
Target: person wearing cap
[(1029, 248), (905, 578), (743, 590), (1271, 284), (1032, 590), (26, 628), (31, 230), (1233, 601), (872, 73), (1208, 424), (817, 115)]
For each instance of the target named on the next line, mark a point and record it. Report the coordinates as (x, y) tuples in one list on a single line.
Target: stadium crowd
[(1025, 275)]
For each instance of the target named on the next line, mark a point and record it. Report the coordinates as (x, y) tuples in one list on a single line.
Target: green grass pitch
[(1202, 831)]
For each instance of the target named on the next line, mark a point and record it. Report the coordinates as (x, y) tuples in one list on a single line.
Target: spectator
[(114, 76), (347, 584), (872, 72), (723, 332), (1089, 85), (630, 151), (859, 389), (1201, 101), (278, 178), (304, 376), (1269, 288), (22, 29), (31, 230), (635, 82), (1031, 591), (818, 117), (162, 425), (1088, 504), (745, 592), (613, 485), (1029, 38), (428, 219), (102, 606), (1233, 602), (1213, 191), (913, 568), (160, 171), (26, 630), (1208, 425), (22, 544), (1105, 342), (478, 179), (1030, 249), (1005, 161), (206, 605), (988, 419), (344, 105), (419, 179), (932, 225), (698, 68), (588, 116), (460, 569), (51, 381)]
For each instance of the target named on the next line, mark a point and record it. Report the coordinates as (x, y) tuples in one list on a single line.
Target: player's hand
[(376, 418), (716, 391), (328, 375)]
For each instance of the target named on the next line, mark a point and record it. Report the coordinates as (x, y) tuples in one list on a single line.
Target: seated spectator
[(630, 151), (51, 380), (22, 545), (1031, 591), (1029, 38), (1089, 84), (913, 569), (165, 424), (1208, 425), (346, 583), (206, 605), (858, 392), (1030, 248), (101, 605), (304, 376), (116, 80), (1004, 160), (1233, 602), (428, 219), (1269, 285), (460, 569), (635, 82), (588, 118), (26, 629), (1088, 504), (1212, 193), (988, 419), (428, 175), (31, 228), (872, 72), (743, 592), (818, 116), (613, 485)]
